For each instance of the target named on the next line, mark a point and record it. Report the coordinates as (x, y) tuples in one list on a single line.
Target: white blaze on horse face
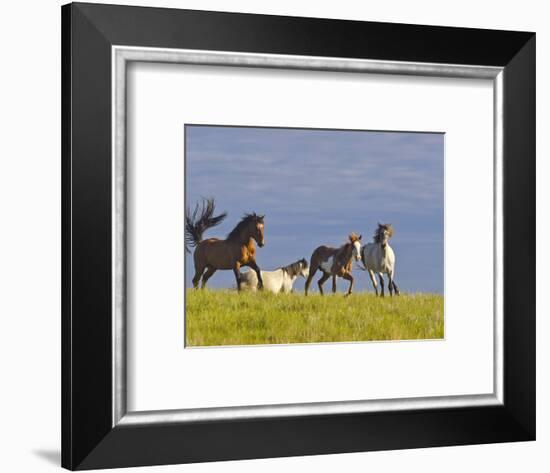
[(357, 250), (260, 228), (326, 266)]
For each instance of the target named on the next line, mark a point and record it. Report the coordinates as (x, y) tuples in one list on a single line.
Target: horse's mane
[(247, 218), (379, 233), (353, 237), (294, 268)]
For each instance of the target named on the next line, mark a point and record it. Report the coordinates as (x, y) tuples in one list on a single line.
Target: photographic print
[(297, 235)]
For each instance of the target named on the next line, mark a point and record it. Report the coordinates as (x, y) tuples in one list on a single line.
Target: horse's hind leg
[(373, 279), (200, 266), (395, 288), (334, 284), (198, 273), (392, 284), (349, 277), (312, 272), (210, 270), (321, 281), (381, 279)]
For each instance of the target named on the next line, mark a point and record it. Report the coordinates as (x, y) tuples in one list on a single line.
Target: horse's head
[(383, 233), (257, 229), (299, 268), (355, 241), (304, 268)]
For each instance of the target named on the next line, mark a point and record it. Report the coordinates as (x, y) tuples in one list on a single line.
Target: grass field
[(223, 317)]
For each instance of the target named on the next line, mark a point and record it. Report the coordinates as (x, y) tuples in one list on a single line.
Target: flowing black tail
[(198, 221)]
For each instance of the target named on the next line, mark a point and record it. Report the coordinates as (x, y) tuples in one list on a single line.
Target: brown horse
[(335, 262), (236, 250)]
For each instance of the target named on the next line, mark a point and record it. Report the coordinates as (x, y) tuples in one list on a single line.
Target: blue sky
[(317, 186)]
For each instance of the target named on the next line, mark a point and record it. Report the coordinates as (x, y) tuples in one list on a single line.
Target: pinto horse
[(279, 280), (236, 250), (334, 262)]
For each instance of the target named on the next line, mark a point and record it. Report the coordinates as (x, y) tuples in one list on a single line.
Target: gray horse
[(378, 257)]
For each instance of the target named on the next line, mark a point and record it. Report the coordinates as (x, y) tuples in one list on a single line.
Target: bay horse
[(236, 250), (379, 258), (279, 280), (334, 262)]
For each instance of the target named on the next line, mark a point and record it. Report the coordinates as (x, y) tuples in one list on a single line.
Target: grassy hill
[(225, 317)]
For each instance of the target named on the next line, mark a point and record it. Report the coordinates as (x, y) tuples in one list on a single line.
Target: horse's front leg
[(321, 281), (373, 279), (334, 284), (237, 273), (256, 268), (381, 277)]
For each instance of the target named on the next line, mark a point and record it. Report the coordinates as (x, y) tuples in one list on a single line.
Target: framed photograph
[(293, 236), (400, 174)]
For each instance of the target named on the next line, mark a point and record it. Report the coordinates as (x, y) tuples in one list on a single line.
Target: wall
[(30, 248)]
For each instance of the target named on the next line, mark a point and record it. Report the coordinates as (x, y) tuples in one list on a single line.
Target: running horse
[(378, 258), (237, 250), (335, 262)]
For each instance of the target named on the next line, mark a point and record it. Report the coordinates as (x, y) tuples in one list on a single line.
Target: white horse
[(279, 280), (379, 258)]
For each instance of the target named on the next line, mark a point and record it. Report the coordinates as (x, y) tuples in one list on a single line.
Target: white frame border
[(121, 56)]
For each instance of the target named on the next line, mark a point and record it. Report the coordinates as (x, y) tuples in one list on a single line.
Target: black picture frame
[(89, 439)]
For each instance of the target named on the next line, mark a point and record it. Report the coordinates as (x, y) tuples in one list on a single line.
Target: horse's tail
[(199, 220)]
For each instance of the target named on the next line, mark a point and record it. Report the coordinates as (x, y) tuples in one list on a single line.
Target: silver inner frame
[(121, 56)]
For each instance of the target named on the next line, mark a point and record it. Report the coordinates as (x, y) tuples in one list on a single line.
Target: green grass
[(224, 317)]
